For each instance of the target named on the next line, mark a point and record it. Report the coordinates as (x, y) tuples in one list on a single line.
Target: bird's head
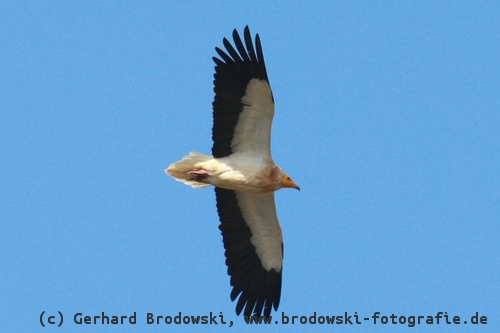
[(287, 182)]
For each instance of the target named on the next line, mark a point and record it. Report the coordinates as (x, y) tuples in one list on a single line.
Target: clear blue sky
[(387, 116)]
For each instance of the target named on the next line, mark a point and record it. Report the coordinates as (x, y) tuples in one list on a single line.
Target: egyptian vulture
[(244, 175)]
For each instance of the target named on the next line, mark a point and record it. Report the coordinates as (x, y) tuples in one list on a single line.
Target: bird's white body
[(237, 172)]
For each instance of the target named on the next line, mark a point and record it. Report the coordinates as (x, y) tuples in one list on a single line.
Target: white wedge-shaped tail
[(184, 170)]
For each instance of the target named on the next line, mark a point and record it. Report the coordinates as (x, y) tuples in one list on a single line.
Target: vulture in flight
[(244, 175)]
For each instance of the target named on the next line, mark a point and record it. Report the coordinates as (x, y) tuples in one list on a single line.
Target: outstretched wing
[(254, 249), (243, 104)]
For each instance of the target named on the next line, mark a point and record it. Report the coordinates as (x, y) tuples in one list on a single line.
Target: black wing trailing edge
[(234, 69), (259, 290)]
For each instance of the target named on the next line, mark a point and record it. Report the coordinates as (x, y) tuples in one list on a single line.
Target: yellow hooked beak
[(289, 183)]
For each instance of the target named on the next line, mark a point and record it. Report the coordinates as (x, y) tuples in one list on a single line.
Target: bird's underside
[(244, 175), (233, 172)]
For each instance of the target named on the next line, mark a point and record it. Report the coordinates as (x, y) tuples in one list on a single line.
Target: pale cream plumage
[(244, 175), (237, 172)]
